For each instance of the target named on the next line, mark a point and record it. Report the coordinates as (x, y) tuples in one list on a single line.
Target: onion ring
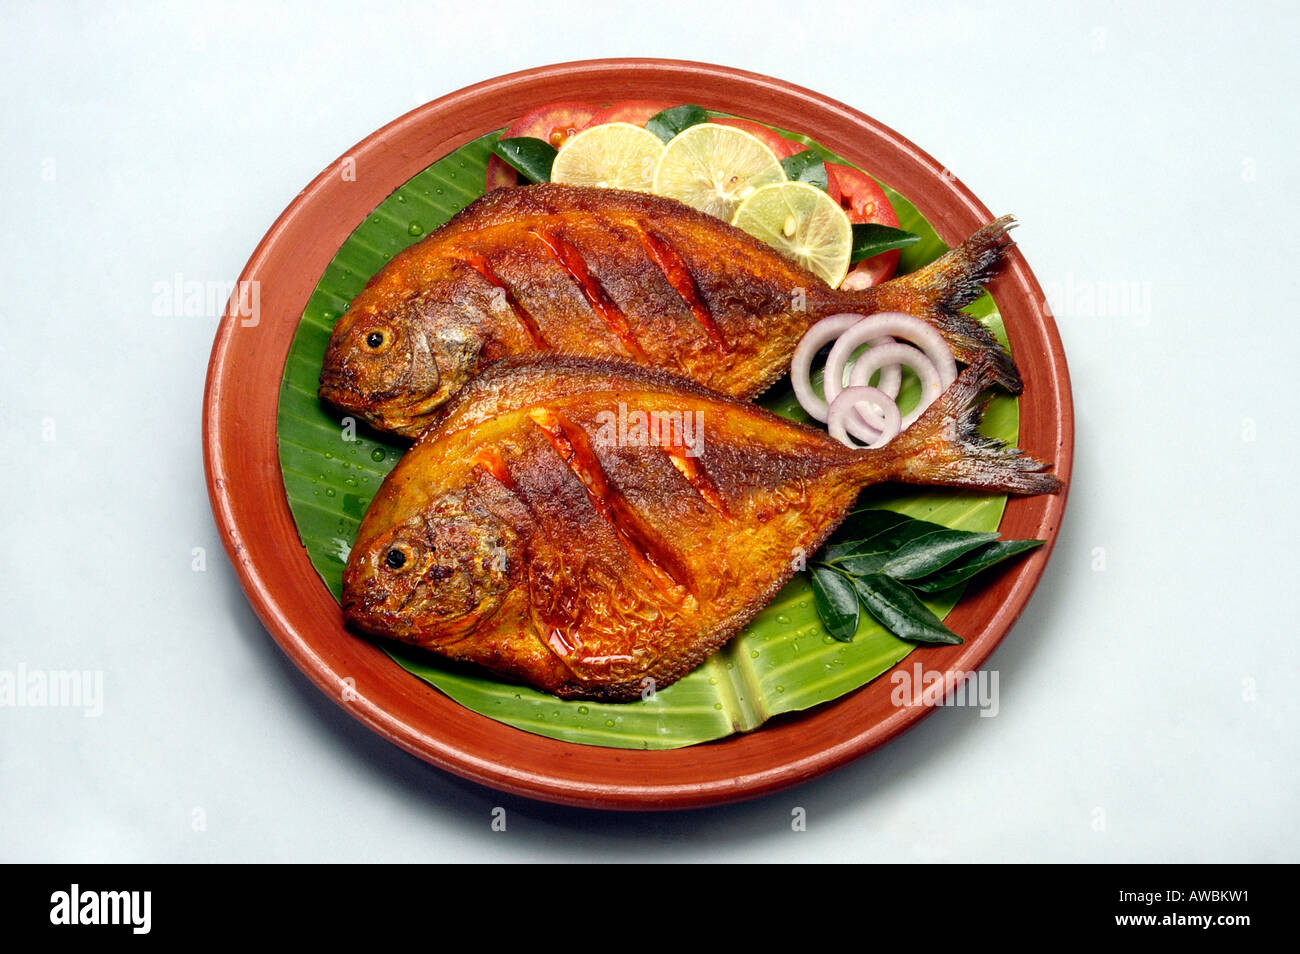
[(931, 383), (801, 365), (855, 398), (903, 326), (933, 363), (899, 325)]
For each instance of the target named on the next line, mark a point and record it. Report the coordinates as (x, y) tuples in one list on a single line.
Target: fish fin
[(941, 289), (943, 447)]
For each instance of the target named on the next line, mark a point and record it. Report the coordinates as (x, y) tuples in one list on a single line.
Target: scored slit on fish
[(571, 260), (679, 277), (573, 444), (695, 474), (481, 265)]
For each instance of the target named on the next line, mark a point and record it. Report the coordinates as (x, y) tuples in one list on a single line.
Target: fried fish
[(609, 273), (584, 525)]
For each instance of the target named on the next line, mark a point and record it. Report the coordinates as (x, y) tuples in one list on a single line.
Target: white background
[(1148, 703)]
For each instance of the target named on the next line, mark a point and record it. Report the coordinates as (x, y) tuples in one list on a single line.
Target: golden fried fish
[(583, 524), (608, 273)]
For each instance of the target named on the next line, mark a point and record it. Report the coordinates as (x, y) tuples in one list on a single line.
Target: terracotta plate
[(244, 483)]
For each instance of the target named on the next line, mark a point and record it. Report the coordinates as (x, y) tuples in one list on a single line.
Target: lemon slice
[(611, 156), (714, 168), (803, 223)]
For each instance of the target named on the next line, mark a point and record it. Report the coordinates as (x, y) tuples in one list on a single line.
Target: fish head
[(393, 367), (434, 577)]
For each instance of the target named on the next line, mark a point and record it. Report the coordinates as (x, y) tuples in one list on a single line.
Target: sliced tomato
[(833, 187), (553, 123), (500, 173), (861, 197), (770, 137), (634, 111), (865, 202)]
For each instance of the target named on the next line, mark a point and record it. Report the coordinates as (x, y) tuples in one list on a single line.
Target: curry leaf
[(932, 552), (532, 158), (896, 608), (975, 562), (836, 602), (807, 167), (868, 532), (886, 553), (670, 122), (863, 564), (870, 239)]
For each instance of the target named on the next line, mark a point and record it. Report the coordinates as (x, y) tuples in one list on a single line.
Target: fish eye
[(379, 339), (398, 557)]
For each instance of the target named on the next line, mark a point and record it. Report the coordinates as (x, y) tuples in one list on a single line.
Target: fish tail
[(939, 291), (943, 447)]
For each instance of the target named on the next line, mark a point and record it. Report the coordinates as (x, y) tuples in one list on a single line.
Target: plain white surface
[(1147, 708)]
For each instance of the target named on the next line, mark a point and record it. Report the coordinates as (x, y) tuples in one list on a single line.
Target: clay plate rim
[(258, 531)]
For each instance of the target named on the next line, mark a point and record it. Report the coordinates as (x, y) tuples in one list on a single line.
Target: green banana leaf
[(782, 662)]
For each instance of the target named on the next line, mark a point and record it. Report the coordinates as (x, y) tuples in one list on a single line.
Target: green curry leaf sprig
[(881, 560)]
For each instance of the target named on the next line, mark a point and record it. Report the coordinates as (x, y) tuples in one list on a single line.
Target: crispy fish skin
[(609, 273), (533, 530)]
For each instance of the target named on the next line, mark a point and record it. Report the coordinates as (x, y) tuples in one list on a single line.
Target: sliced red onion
[(891, 375), (891, 379), (931, 384), (817, 337), (868, 420), (852, 401), (934, 365), (857, 423), (911, 329), (866, 424)]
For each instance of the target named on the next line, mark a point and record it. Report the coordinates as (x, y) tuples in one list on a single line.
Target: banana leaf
[(783, 661)]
